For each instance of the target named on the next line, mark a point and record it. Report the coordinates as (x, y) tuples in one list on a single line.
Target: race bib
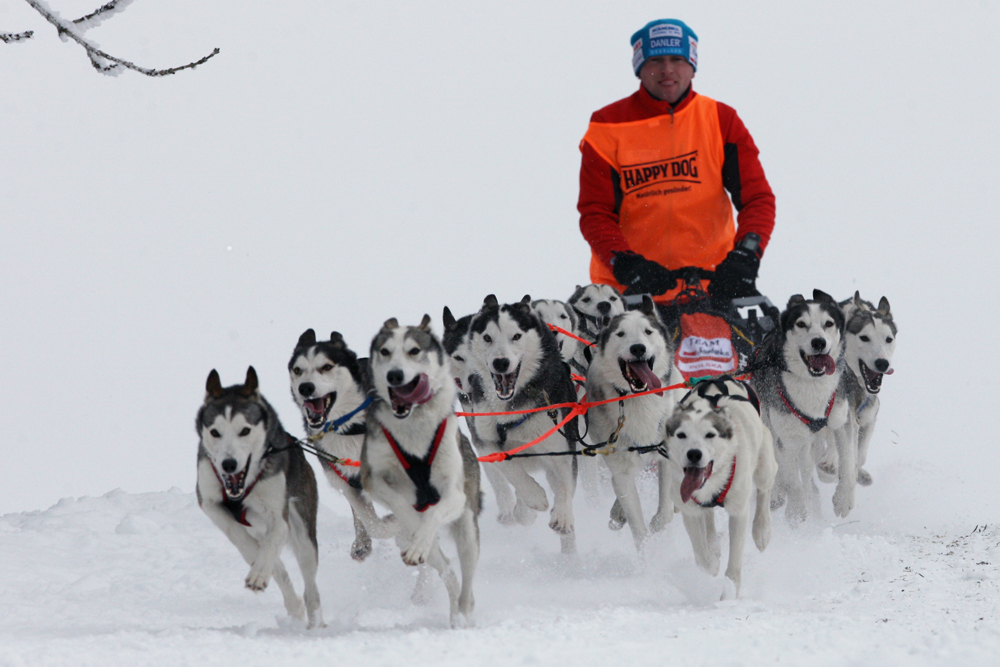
[(706, 346)]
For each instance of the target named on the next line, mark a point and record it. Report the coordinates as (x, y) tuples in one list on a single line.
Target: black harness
[(418, 469)]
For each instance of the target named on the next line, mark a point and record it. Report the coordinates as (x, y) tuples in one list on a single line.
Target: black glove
[(640, 275), (736, 274)]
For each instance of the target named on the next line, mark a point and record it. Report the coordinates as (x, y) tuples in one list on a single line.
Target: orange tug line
[(575, 410)]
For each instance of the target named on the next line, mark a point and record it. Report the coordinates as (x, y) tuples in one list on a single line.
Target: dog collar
[(353, 429), (719, 498), (419, 469), (503, 429), (815, 424)]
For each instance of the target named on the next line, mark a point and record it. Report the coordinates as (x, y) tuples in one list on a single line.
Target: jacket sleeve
[(600, 200), (743, 177)]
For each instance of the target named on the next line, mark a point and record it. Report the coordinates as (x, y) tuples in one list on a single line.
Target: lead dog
[(632, 356), (415, 460), (800, 364), (330, 387), (719, 449), (258, 489)]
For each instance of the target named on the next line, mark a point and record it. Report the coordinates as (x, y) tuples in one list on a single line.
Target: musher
[(655, 172)]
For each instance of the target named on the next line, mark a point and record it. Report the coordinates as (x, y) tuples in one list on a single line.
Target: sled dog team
[(810, 405)]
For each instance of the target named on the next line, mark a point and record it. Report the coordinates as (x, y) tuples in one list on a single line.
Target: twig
[(96, 17), (8, 37), (104, 62)]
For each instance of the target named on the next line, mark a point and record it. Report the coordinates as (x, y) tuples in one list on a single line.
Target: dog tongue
[(826, 362), (315, 405), (642, 370), (694, 479), (889, 372), (421, 392)]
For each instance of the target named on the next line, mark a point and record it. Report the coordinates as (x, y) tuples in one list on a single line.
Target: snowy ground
[(146, 579)]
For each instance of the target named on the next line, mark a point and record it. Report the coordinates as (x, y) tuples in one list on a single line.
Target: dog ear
[(857, 299), (391, 323), (883, 306), (250, 384), (308, 337), (647, 307), (819, 295), (425, 323), (795, 300), (448, 319), (213, 387), (337, 339), (491, 301), (526, 299)]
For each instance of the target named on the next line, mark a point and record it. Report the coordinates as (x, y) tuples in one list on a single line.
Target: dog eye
[(458, 358), (487, 338), (709, 435), (245, 432), (864, 339), (801, 325), (414, 352), (620, 334), (297, 371), (648, 332), (828, 324), (215, 433), (385, 352), (612, 298), (682, 435), (889, 339), (586, 299), (516, 336), (326, 369), (563, 317)]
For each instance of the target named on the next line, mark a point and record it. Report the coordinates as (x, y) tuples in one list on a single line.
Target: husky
[(329, 384), (594, 307), (553, 312), (455, 341), (416, 462), (516, 359), (256, 486), (718, 450), (632, 356), (799, 366), (871, 340)]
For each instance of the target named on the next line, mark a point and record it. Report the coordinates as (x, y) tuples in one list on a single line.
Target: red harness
[(236, 507), (419, 469), (815, 425), (721, 496)]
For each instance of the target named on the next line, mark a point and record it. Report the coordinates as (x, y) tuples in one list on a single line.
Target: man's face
[(666, 77)]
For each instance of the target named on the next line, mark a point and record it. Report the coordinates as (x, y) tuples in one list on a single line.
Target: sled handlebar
[(686, 277)]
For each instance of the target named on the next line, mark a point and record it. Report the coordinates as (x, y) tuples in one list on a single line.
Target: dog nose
[(501, 365), (229, 466), (307, 389), (394, 377), (638, 350), (881, 365), (694, 455), (604, 307), (819, 344)]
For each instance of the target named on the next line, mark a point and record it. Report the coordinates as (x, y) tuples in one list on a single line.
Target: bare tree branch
[(102, 62), (97, 17), (8, 37)]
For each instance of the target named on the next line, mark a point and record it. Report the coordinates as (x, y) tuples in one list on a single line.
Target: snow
[(347, 162)]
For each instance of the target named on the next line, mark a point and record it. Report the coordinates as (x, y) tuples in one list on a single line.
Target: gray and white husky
[(871, 340), (330, 385), (455, 342), (594, 306), (416, 462), (803, 360), (516, 358), (633, 356), (719, 450), (560, 314), (255, 485)]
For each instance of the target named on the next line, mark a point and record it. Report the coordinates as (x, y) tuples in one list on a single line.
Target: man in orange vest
[(656, 169)]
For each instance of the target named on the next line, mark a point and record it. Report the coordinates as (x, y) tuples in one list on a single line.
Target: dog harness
[(815, 424), (719, 498), (353, 429), (353, 482), (503, 429), (419, 469), (703, 384)]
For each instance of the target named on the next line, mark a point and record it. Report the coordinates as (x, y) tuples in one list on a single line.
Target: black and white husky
[(254, 484), (594, 307), (516, 358), (416, 462), (455, 341), (871, 340), (803, 360), (719, 450), (330, 385), (632, 356)]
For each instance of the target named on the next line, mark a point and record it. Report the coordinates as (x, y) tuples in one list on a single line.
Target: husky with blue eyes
[(255, 485)]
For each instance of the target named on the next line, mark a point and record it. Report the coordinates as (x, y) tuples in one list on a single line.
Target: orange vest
[(674, 209)]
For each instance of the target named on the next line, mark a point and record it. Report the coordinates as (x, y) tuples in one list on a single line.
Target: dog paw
[(618, 519), (418, 550), (295, 608), (421, 595), (361, 549), (258, 578), (827, 472), (777, 500), (536, 501), (507, 518), (660, 520), (762, 532), (561, 523), (523, 514), (843, 500), (864, 478)]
